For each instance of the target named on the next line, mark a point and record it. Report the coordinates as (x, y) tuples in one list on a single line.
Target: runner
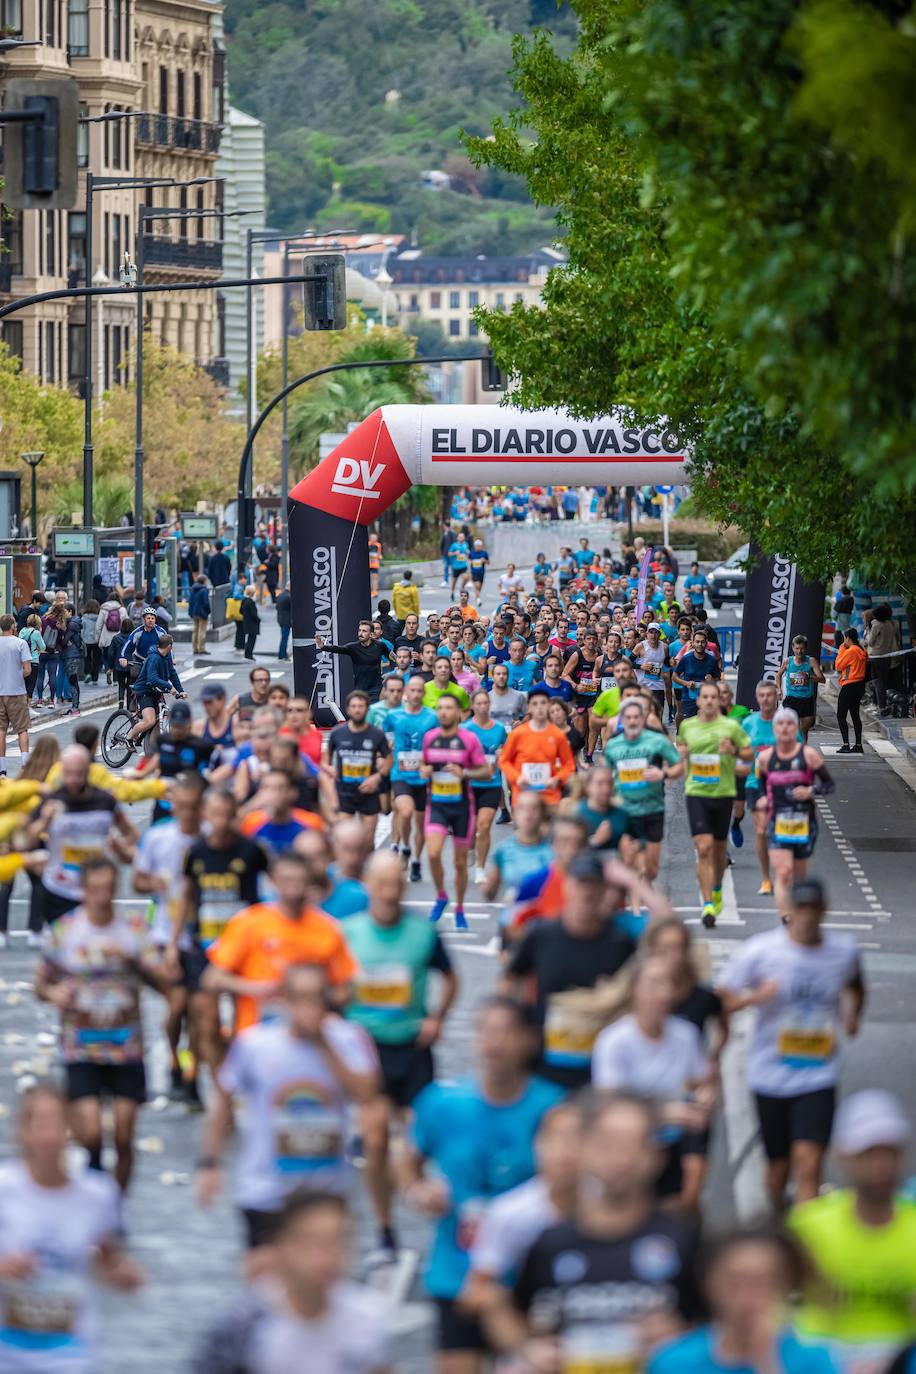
[(359, 758), (375, 562), (653, 669), (452, 759), (792, 775), (487, 792), (733, 711), (296, 1079), (710, 744), (471, 1142), (442, 684), (807, 986), (537, 754), (408, 724), (507, 706), (93, 967), (395, 953), (800, 674), (377, 715), (695, 665), (458, 558), (584, 670), (479, 558), (642, 762)]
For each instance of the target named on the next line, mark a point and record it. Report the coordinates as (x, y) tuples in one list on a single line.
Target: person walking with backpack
[(108, 624), (53, 629), (90, 633), (73, 655), (199, 610), (30, 634)]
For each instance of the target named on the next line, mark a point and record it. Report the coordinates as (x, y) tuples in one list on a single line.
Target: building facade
[(151, 79), (449, 290), (242, 163)]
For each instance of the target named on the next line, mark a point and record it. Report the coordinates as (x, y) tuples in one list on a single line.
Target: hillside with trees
[(360, 101)]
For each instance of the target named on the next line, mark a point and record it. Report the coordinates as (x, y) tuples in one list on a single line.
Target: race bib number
[(799, 681), (355, 767), (385, 988), (536, 775), (607, 683), (39, 1315), (567, 1043), (306, 1136), (213, 918), (75, 855), (652, 669), (706, 769), (792, 827), (409, 760), (588, 686), (632, 772), (806, 1046), (445, 786), (601, 1349)]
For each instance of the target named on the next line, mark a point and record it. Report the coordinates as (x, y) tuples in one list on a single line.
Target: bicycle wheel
[(115, 746)]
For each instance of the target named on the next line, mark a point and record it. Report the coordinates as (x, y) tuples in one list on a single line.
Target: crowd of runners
[(534, 753)]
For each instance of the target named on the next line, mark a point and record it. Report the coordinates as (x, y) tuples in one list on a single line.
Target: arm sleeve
[(824, 784)]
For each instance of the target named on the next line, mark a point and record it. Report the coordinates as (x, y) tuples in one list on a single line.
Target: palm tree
[(112, 497)]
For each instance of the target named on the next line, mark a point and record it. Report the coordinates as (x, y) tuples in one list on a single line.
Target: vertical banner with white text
[(777, 605)]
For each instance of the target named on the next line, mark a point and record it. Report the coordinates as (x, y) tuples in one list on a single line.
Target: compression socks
[(439, 906)]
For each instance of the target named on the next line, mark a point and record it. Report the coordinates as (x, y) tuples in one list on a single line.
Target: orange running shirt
[(537, 760), (851, 662), (260, 943)]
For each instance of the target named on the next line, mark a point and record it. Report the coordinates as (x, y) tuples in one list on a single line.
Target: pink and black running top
[(440, 749), (784, 775)]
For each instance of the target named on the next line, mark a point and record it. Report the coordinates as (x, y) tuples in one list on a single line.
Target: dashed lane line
[(848, 855)]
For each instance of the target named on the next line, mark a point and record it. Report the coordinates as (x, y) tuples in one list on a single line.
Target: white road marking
[(729, 915), (219, 677), (883, 746), (848, 855)]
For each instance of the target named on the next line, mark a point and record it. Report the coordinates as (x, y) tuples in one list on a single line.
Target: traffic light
[(40, 117), (325, 300), (493, 377)]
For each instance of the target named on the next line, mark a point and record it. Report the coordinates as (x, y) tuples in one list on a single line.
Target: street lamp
[(33, 459), (100, 278), (384, 279)]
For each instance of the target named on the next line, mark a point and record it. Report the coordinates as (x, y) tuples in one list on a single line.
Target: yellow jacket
[(405, 599), (124, 789)]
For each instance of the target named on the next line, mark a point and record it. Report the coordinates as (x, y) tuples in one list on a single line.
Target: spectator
[(90, 633), (136, 607), (111, 613), (272, 572), (405, 596), (53, 630), (115, 653), (30, 634), (199, 610), (251, 622), (219, 569), (73, 655), (38, 605), (284, 620), (15, 668)]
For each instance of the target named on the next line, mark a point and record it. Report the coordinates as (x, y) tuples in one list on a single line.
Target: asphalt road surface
[(865, 855)]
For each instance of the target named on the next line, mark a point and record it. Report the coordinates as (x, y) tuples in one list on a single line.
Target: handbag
[(233, 608)]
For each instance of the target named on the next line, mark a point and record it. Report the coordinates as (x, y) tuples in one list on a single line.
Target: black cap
[(809, 892), (211, 691), (538, 691), (180, 714), (586, 868)]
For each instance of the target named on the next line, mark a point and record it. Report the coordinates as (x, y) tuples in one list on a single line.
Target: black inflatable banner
[(777, 605)]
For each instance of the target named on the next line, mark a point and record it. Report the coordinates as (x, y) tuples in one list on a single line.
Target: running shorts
[(804, 707), (455, 820), (457, 1330), (86, 1079), (416, 790), (490, 798), (406, 1071), (798, 851), (710, 816), (648, 829), (358, 803), (783, 1120)]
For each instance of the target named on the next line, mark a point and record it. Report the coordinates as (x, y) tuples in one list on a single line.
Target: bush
[(712, 542)]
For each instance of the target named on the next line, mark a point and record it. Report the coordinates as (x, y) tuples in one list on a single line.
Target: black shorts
[(358, 803), (710, 816), (784, 1120), (689, 706), (740, 786), (650, 829), (416, 790), (457, 1331), (260, 1227), (448, 819), (384, 788), (583, 701), (804, 707), (86, 1079), (798, 851), (52, 906), (489, 797), (148, 701), (194, 964), (406, 1071), (477, 577)]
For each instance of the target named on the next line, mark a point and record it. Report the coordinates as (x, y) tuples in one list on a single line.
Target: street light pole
[(88, 457), (139, 579), (33, 459), (250, 360), (284, 438)]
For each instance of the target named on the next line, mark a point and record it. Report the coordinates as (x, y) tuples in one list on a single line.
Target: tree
[(637, 316), (39, 418), (191, 445), (112, 497)]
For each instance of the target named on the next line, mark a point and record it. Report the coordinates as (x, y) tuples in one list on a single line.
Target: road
[(868, 837)]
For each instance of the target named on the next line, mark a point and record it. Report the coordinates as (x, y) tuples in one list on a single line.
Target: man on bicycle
[(138, 644), (157, 677)]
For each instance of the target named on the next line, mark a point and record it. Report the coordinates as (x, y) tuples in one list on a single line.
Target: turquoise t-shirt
[(407, 730), (762, 736), (482, 1149), (517, 861), (696, 1353), (346, 898), (522, 676), (491, 739), (629, 759), (389, 997)]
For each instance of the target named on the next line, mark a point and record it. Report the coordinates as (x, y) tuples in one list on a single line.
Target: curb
[(891, 729)]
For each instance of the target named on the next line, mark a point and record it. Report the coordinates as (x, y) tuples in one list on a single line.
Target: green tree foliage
[(112, 497), (38, 418), (716, 262), (360, 99)]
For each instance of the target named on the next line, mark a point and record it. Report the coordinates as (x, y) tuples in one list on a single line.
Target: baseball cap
[(654, 625), (809, 892), (180, 714), (869, 1118), (211, 691), (538, 692), (586, 868)]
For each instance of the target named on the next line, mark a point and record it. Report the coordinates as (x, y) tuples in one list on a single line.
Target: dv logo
[(350, 474)]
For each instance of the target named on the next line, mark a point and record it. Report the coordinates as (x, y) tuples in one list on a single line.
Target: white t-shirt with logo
[(627, 1059), (50, 1322), (795, 1044), (295, 1120), (354, 1336), (14, 652)]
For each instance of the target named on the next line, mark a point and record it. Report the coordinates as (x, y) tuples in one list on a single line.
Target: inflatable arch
[(331, 509)]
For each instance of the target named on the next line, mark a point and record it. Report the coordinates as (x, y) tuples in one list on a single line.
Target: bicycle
[(116, 748)]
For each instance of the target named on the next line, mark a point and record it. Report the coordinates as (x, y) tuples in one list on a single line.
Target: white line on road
[(883, 746)]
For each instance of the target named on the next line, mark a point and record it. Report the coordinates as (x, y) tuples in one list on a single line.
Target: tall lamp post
[(33, 459)]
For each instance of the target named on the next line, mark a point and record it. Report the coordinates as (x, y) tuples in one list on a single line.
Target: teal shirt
[(640, 798), (491, 739), (389, 998)]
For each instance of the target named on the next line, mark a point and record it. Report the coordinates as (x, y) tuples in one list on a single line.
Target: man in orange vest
[(375, 561)]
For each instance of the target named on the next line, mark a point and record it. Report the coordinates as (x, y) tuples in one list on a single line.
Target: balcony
[(176, 132), (199, 255), (218, 369)]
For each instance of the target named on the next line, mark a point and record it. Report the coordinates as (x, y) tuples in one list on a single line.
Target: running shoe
[(461, 921), (438, 909), (844, 749), (479, 875), (717, 901), (415, 873), (765, 889), (708, 916), (503, 818), (737, 836)]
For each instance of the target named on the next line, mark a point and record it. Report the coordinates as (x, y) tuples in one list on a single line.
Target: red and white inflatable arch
[(331, 509)]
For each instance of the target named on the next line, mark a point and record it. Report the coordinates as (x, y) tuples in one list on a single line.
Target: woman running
[(488, 793), (792, 775)]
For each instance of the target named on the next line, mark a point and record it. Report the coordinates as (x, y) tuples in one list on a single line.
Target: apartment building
[(155, 63), (450, 289)]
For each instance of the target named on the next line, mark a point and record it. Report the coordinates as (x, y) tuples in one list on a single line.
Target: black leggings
[(849, 700)]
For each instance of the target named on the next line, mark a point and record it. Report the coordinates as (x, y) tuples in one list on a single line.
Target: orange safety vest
[(375, 555)]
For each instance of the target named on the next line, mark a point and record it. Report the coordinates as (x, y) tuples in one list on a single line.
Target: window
[(11, 16), (179, 94), (454, 300), (117, 378), (198, 97), (51, 243), (473, 299), (82, 139), (454, 328), (163, 90), (50, 373), (500, 300), (435, 300), (117, 30), (473, 329), (201, 220), (76, 355), (11, 333), (414, 301), (12, 239), (183, 221), (108, 243), (77, 28), (76, 245), (116, 246), (50, 24), (520, 297)]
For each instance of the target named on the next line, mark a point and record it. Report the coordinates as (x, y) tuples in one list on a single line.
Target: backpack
[(113, 619), (50, 637)]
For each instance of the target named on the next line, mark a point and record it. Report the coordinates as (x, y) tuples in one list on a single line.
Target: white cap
[(869, 1118), (654, 625)]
